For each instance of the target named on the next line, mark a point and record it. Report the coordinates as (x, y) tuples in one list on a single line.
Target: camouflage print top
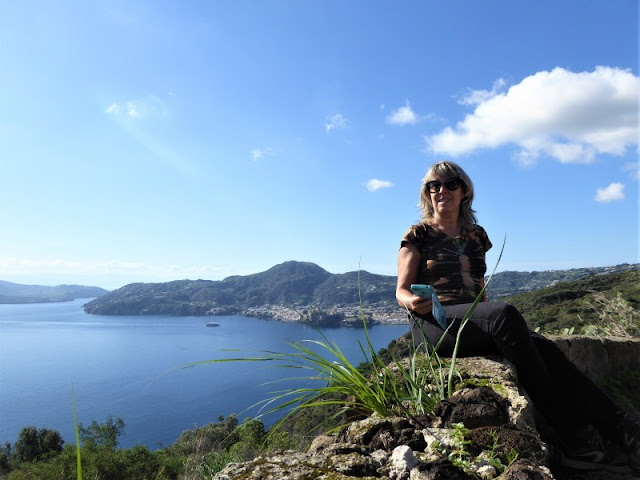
[(455, 267)]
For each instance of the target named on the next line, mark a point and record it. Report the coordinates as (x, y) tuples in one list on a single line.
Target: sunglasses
[(450, 184)]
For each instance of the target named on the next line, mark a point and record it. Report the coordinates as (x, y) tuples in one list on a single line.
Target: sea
[(151, 371)]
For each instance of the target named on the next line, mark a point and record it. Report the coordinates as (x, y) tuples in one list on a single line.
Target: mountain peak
[(296, 268)]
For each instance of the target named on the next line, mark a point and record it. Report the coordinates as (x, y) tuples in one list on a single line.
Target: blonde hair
[(446, 170)]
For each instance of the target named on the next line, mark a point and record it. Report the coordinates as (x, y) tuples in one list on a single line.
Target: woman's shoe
[(629, 431), (586, 450)]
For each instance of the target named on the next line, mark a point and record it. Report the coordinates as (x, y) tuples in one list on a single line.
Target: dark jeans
[(558, 389)]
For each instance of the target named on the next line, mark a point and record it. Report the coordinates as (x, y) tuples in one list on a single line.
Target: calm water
[(126, 366)]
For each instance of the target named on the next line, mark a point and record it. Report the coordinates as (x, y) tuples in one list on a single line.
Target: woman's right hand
[(420, 305)]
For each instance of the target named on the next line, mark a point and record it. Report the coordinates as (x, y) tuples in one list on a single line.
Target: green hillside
[(18, 293), (508, 283), (552, 300), (299, 285), (598, 304)]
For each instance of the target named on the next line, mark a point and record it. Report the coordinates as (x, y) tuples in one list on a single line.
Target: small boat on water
[(212, 324)]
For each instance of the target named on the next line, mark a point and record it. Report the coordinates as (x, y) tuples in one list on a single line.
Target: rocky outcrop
[(499, 437), (599, 357), (398, 448)]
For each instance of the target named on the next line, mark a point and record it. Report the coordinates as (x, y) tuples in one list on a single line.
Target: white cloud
[(375, 184), (569, 116), (633, 169), (113, 109), (403, 116), (132, 110), (258, 153), (476, 97), (63, 265), (335, 122), (137, 118), (612, 193), (149, 107), (57, 271)]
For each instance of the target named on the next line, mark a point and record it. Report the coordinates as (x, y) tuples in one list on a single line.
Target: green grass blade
[(466, 318), (77, 433)]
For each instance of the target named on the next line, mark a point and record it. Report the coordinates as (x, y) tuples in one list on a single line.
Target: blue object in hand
[(437, 310)]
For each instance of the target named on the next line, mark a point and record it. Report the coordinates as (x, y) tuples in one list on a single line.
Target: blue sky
[(154, 140)]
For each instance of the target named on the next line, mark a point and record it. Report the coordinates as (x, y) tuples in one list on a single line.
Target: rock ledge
[(497, 413)]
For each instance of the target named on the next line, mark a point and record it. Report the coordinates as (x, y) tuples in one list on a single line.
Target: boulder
[(499, 417), (599, 357)]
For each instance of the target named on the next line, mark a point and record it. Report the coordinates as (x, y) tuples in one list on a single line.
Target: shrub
[(36, 444)]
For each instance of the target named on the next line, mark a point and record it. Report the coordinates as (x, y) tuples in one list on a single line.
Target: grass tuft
[(381, 388)]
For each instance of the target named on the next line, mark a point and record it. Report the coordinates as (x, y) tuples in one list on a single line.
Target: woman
[(447, 250)]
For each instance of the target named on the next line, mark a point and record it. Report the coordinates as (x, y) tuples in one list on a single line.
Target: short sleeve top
[(454, 266)]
